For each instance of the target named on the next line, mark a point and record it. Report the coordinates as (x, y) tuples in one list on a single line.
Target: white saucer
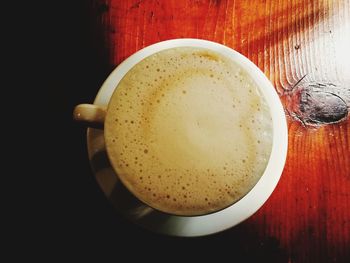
[(159, 222)]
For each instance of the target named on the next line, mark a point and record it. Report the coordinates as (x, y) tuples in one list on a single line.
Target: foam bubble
[(190, 133)]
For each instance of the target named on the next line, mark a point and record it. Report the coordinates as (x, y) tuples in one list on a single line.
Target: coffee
[(188, 131)]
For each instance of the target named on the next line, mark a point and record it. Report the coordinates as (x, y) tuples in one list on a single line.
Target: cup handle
[(90, 115)]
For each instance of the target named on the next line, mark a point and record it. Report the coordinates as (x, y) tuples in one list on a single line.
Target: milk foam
[(188, 131)]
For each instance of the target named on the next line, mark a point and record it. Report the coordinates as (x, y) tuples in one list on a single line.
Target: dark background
[(61, 53)]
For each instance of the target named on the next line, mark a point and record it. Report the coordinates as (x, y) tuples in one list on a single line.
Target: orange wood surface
[(303, 47)]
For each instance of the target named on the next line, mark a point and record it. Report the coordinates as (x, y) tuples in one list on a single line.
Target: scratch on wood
[(297, 83)]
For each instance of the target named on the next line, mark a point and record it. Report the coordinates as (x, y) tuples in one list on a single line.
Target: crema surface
[(188, 131)]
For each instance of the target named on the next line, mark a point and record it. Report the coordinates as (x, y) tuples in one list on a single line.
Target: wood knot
[(322, 107), (318, 103)]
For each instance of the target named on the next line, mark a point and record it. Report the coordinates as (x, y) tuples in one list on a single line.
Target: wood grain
[(309, 213)]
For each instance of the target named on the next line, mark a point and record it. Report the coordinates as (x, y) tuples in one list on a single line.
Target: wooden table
[(303, 47)]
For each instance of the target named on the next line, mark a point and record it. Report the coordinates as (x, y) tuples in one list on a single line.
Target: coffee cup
[(192, 128)]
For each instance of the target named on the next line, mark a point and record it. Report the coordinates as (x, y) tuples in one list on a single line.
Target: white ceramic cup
[(196, 225)]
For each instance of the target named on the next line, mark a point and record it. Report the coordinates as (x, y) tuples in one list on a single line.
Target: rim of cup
[(257, 196)]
